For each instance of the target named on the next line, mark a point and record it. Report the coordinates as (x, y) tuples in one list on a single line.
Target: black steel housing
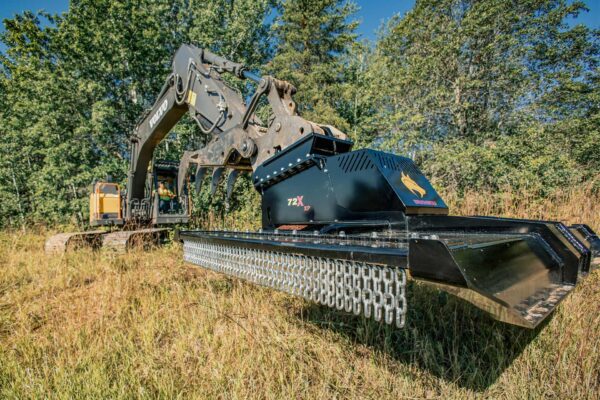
[(319, 181)]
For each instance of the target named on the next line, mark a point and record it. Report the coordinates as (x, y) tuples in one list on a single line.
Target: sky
[(371, 15)]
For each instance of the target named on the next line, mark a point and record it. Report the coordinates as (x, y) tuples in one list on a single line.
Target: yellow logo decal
[(412, 185), (191, 98)]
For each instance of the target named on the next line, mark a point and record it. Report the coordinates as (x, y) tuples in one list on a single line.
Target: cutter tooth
[(200, 173), (182, 172), (216, 179), (233, 175)]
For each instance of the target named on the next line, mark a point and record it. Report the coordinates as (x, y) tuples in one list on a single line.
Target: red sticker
[(426, 202)]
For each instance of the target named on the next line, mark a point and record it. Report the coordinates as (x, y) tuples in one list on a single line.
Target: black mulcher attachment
[(346, 228)]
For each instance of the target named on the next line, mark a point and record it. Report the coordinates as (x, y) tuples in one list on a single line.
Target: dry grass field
[(147, 325)]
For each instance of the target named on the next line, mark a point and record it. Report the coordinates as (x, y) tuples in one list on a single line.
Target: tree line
[(483, 94)]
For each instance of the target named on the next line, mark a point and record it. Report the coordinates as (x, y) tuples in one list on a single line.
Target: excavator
[(132, 221), (341, 227)]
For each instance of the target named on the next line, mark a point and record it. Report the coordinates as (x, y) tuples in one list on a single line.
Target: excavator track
[(62, 242), (122, 241), (118, 242)]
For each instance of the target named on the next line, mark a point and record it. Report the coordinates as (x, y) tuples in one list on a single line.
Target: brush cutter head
[(333, 217)]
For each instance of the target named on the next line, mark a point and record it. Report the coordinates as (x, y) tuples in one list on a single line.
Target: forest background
[(491, 100)]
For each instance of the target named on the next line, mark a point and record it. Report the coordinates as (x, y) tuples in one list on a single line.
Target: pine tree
[(312, 38)]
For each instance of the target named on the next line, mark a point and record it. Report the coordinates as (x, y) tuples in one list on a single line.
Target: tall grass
[(146, 325), (570, 205)]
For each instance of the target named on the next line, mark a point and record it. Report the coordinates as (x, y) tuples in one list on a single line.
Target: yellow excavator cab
[(105, 204)]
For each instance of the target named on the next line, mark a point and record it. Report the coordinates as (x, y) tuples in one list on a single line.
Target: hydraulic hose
[(214, 125)]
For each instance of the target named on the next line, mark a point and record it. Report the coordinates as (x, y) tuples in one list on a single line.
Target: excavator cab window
[(108, 188), (166, 172)]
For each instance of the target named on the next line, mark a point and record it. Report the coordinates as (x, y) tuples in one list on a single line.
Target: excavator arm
[(193, 87), (238, 139)]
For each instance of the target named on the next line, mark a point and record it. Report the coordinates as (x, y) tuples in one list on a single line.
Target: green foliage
[(523, 161), (354, 101), (311, 37), (489, 93)]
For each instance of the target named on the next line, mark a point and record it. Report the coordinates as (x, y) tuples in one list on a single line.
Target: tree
[(483, 74), (469, 68), (312, 37), (42, 152), (478, 91)]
